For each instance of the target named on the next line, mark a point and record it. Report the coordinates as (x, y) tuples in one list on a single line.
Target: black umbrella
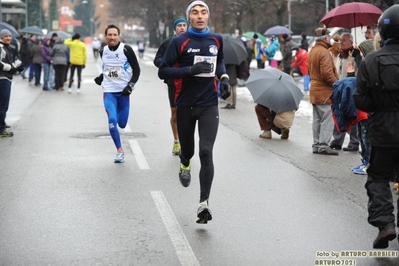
[(32, 30), (274, 89), (4, 25), (234, 50)]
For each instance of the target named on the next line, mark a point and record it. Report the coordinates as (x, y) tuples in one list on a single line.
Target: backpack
[(243, 70)]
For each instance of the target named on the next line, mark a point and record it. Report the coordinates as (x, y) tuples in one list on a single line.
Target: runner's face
[(112, 37), (199, 17), (6, 39), (181, 28)]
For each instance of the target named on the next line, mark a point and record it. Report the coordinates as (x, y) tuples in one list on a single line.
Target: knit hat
[(196, 3), (4, 32), (177, 21), (321, 32), (366, 47)]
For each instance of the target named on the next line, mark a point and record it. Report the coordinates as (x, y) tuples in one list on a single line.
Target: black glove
[(98, 80), (20, 68), (13, 70), (128, 89), (83, 66), (200, 67), (225, 88)]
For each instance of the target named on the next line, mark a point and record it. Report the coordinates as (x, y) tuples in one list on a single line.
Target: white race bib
[(210, 59), (113, 72)]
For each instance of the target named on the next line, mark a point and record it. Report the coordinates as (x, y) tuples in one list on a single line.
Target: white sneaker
[(78, 90), (69, 90), (120, 157)]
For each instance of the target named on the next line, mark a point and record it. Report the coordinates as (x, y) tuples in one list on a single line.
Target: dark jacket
[(232, 72), (343, 106), (6, 60), (159, 56), (59, 53), (377, 91), (45, 49), (287, 53)]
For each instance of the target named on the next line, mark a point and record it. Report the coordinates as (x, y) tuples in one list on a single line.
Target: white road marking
[(138, 154), (128, 129), (179, 240)]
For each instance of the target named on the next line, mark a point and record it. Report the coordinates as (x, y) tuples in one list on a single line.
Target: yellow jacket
[(77, 52)]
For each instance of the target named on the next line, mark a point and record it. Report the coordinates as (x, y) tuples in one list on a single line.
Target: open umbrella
[(32, 30), (4, 25), (234, 50), (61, 34), (277, 30), (275, 89), (351, 15), (250, 34)]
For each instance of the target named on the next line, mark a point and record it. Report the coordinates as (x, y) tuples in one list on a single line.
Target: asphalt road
[(64, 202)]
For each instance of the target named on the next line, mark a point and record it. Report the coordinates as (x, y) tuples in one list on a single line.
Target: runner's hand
[(98, 80), (128, 89), (225, 88), (200, 67)]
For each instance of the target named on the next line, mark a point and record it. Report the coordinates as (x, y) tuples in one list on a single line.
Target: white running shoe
[(78, 90), (120, 157), (69, 90)]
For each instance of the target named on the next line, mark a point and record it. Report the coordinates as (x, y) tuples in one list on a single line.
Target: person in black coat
[(377, 92)]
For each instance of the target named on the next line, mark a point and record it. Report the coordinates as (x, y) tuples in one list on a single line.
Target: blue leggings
[(117, 107)]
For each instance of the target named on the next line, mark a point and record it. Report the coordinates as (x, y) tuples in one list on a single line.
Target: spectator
[(45, 50), (258, 51), (288, 45), (269, 120), (7, 70), (323, 74), (59, 53), (304, 42), (300, 63), (37, 61), (348, 54), (78, 58)]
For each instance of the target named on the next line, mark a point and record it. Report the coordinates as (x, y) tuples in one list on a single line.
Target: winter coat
[(301, 61), (377, 91), (343, 106), (45, 50), (272, 49), (36, 54), (287, 53), (77, 53), (322, 73), (30, 44), (59, 53), (6, 60), (231, 70)]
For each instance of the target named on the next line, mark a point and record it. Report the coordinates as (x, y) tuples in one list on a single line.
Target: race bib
[(210, 59), (113, 72)]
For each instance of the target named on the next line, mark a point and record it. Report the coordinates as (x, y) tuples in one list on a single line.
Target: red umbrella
[(351, 15)]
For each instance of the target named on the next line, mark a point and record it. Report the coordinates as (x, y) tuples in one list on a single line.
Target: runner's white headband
[(196, 3)]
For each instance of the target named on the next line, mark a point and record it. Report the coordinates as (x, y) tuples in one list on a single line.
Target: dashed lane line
[(183, 249), (138, 154)]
